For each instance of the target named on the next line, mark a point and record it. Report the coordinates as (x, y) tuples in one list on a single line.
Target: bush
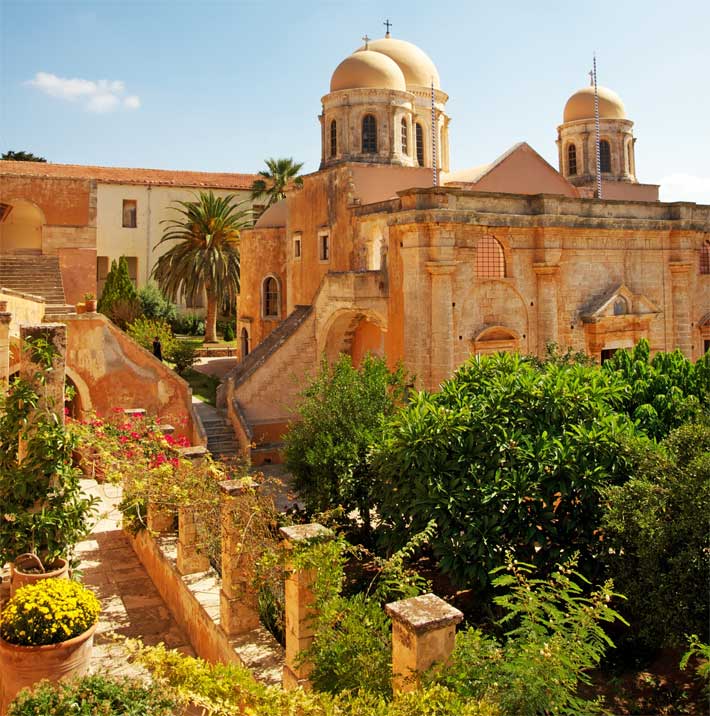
[(189, 324), (94, 696), (155, 305), (183, 355), (656, 529), (340, 414), (228, 334), (48, 612), (508, 456), (119, 300), (143, 331)]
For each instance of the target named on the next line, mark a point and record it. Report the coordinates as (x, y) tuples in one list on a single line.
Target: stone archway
[(496, 339), (81, 402), (21, 228), (355, 333)]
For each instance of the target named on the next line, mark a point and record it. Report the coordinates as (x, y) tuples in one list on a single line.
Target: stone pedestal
[(161, 518), (299, 598), (423, 633), (4, 349), (189, 558), (237, 599)]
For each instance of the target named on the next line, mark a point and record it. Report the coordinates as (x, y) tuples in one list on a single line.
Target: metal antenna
[(596, 126), (433, 137)]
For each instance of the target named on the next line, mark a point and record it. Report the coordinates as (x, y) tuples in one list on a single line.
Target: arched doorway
[(21, 228), (356, 334)]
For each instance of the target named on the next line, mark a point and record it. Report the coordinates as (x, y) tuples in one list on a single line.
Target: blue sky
[(219, 86)]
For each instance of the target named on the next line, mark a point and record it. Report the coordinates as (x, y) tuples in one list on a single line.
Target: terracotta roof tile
[(121, 175)]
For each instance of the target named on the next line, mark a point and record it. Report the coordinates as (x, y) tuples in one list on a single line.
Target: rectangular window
[(706, 342), (297, 247), (324, 247), (257, 211), (102, 268), (130, 213), (132, 262), (607, 353)]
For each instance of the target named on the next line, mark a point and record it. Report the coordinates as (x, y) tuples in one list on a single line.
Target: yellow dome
[(367, 69), (416, 65), (581, 105)]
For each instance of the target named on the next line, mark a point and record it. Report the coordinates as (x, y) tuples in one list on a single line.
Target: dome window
[(705, 258), (605, 156), (270, 291), (369, 134), (490, 260), (333, 138), (572, 160), (420, 145), (405, 147)]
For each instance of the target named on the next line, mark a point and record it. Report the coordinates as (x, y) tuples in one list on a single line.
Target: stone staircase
[(37, 275), (221, 441)]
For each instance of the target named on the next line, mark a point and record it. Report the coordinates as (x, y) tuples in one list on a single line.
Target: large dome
[(367, 69), (416, 65), (581, 105)]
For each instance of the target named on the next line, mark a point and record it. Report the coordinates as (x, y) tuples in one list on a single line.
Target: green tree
[(21, 157), (274, 181), (206, 255), (155, 305), (509, 456), (340, 414), (119, 299)]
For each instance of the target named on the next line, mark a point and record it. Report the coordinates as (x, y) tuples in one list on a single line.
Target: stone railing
[(24, 308)]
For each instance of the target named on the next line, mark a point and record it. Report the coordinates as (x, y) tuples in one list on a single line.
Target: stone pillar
[(52, 392), (547, 308), (681, 308), (5, 319), (161, 518), (299, 599), (238, 607), (189, 557), (423, 633), (442, 321)]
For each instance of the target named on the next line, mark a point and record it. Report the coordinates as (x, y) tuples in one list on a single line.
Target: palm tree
[(274, 181), (207, 255)]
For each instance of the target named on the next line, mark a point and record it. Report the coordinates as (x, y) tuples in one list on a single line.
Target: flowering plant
[(48, 612)]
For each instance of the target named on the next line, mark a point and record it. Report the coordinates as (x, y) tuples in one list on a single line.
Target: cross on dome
[(387, 24), (366, 40)]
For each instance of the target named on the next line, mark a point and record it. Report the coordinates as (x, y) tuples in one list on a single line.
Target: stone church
[(385, 250)]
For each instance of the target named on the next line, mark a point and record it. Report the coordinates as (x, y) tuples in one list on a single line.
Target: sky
[(220, 86)]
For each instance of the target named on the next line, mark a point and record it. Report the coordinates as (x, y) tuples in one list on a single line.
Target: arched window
[(490, 260), (705, 258), (572, 160), (244, 339), (271, 297), (369, 134), (333, 138), (621, 307), (405, 147), (420, 144), (605, 155)]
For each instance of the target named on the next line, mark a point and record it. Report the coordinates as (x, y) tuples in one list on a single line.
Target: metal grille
[(420, 145), (369, 135), (490, 260), (571, 160), (705, 258), (605, 156), (333, 138), (405, 148)]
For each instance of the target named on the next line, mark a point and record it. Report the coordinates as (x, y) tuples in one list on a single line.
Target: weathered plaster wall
[(23, 307)]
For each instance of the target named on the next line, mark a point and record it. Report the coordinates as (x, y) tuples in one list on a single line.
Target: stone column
[(547, 308), (423, 633), (442, 321), (299, 599), (5, 319), (189, 557), (52, 392), (238, 607), (161, 518), (415, 305), (681, 308)]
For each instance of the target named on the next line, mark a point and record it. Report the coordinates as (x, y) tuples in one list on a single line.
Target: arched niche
[(496, 339), (354, 333), (21, 228)]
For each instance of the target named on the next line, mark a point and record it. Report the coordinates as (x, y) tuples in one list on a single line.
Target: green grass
[(199, 342), (204, 387)]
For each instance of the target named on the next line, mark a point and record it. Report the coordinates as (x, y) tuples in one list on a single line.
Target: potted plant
[(43, 511), (46, 632), (81, 307), (90, 302)]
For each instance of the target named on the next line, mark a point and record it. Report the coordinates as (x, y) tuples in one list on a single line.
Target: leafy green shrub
[(656, 529), (663, 392), (119, 300), (554, 637), (228, 333), (183, 355), (700, 651), (340, 414), (143, 330), (508, 456), (155, 305), (94, 696), (189, 324), (48, 612)]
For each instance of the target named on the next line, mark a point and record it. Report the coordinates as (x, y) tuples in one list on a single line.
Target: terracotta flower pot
[(22, 666), (90, 306), (81, 308), (18, 578)]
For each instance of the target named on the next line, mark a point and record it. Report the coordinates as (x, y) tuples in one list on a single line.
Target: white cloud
[(685, 187), (96, 95)]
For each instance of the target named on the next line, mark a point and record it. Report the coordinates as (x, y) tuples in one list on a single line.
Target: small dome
[(416, 65), (581, 105), (274, 217), (367, 69)]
